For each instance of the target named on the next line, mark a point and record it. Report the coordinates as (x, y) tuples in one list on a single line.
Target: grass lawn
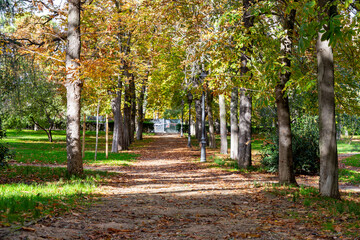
[(31, 192), (345, 147), (33, 147)]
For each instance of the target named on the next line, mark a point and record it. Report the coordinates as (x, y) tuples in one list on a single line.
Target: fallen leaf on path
[(28, 229), (114, 230)]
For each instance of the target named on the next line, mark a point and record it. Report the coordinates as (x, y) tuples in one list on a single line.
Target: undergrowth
[(332, 214)]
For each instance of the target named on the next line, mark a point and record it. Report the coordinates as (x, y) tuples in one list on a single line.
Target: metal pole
[(189, 130), (83, 140), (107, 137), (203, 138), (182, 119)]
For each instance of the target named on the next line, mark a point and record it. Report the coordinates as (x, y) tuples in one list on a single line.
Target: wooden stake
[(83, 140), (107, 137)]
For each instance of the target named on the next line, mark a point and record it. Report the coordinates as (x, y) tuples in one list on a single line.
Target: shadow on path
[(167, 194)]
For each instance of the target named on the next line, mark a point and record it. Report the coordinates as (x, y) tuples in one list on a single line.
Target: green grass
[(33, 147), (28, 192), (34, 174), (31, 192), (353, 161), (344, 214), (345, 147), (349, 176)]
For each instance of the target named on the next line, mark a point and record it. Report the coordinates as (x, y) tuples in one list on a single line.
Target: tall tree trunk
[(190, 97), (286, 166), (234, 127), (118, 120), (244, 159), (140, 115), (198, 119), (133, 108), (210, 99), (223, 129), (73, 90), (127, 118), (328, 183)]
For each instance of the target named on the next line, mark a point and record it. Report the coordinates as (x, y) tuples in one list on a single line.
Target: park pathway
[(167, 194)]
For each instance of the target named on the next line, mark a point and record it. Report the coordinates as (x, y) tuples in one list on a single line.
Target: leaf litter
[(167, 194)]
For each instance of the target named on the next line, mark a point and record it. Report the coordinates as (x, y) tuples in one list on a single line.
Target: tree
[(73, 86), (286, 166), (234, 127), (223, 129), (328, 183)]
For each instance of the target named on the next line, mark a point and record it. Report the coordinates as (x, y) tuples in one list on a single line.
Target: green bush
[(305, 146), (148, 126), (5, 152)]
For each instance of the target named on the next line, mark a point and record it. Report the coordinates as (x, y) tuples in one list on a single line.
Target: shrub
[(305, 146), (5, 152)]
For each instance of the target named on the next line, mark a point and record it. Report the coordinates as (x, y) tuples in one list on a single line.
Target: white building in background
[(166, 125)]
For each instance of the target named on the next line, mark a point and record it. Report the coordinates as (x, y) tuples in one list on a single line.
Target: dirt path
[(166, 195)]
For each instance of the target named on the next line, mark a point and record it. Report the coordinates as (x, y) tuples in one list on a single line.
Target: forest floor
[(168, 194)]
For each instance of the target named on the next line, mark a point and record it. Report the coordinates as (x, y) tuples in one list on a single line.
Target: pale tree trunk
[(97, 130), (328, 183), (223, 130), (244, 160), (140, 115), (212, 142), (73, 90), (244, 155), (286, 166), (118, 120), (234, 127)]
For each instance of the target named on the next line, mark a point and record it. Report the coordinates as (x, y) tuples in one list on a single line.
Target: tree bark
[(127, 118), (328, 183), (210, 99), (198, 119), (223, 129), (118, 120), (244, 155), (133, 109), (244, 160), (286, 166), (234, 127), (140, 109), (73, 90)]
